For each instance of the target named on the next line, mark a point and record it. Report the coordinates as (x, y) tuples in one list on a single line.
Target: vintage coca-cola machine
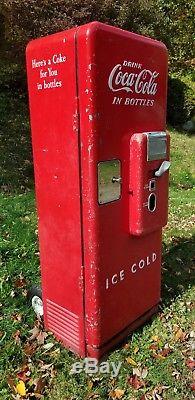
[(101, 158)]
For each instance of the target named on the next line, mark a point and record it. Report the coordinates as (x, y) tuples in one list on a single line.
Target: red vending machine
[(101, 158)]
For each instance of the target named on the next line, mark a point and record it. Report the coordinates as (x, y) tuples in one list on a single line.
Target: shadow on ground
[(178, 268), (178, 274)]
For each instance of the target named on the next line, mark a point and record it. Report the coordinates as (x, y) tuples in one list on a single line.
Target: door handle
[(163, 168), (118, 180)]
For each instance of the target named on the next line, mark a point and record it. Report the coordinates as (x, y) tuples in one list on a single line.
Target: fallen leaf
[(53, 372), (20, 282), (16, 317), (41, 337), (45, 367), (179, 335), (24, 374), (89, 384), (35, 332), (117, 394), (16, 337), (48, 346), (158, 356), (135, 382), (190, 363), (29, 349), (136, 349), (155, 338), (153, 347), (21, 389), (131, 361), (11, 383), (192, 386), (161, 388), (40, 384), (137, 371), (24, 293), (164, 352), (157, 396), (157, 392), (142, 372), (55, 353), (176, 374)]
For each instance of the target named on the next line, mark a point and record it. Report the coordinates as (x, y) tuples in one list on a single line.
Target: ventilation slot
[(63, 323)]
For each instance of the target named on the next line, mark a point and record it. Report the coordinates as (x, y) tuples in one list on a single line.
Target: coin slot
[(152, 202), (152, 185)]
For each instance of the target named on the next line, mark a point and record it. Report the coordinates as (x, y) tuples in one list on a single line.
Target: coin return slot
[(152, 202)]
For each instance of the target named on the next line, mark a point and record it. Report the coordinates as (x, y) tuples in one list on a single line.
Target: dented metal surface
[(100, 245)]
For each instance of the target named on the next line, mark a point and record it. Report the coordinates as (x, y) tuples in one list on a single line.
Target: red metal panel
[(54, 121), (122, 80)]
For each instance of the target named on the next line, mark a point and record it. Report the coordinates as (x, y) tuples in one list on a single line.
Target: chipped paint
[(76, 122)]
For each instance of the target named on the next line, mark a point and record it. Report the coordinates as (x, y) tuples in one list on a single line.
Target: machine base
[(98, 353)]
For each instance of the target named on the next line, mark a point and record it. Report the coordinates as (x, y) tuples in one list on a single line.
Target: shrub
[(180, 101), (166, 20), (27, 19)]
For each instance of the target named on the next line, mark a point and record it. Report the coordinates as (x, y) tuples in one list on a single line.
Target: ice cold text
[(134, 268)]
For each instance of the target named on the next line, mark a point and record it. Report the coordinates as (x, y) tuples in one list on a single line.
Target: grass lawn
[(157, 359)]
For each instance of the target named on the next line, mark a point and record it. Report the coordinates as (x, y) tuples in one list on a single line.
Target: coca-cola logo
[(143, 81)]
